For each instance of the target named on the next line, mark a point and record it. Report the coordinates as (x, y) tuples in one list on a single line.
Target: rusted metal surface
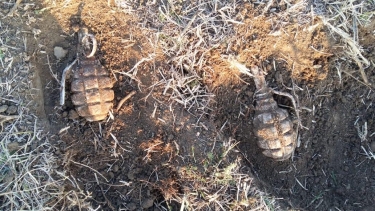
[(91, 86), (272, 125)]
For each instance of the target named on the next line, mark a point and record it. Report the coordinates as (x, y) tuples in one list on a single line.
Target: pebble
[(147, 203), (58, 152), (268, 67), (249, 93), (340, 191), (111, 175), (170, 137), (64, 114), (131, 175), (13, 146), (131, 206), (59, 52), (9, 177), (34, 145), (317, 180), (115, 168), (12, 109), (73, 115), (372, 146), (3, 108)]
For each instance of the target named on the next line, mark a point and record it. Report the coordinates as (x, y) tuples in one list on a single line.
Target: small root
[(293, 102), (4, 118), (15, 6), (127, 97)]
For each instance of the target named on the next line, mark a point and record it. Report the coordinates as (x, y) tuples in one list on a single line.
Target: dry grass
[(187, 32), (343, 19), (28, 171), (30, 178), (362, 134), (220, 185)]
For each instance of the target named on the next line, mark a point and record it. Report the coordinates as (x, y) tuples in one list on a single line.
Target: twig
[(300, 184), (293, 102), (361, 82), (11, 11), (267, 7), (151, 57), (4, 118), (354, 48), (242, 68), (50, 70), (80, 164), (62, 84), (109, 203), (127, 97)]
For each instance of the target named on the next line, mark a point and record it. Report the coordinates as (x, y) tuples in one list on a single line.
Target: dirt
[(134, 160)]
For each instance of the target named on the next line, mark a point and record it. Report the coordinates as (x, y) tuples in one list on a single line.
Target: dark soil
[(127, 161)]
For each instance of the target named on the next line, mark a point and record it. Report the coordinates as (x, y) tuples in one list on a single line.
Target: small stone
[(3, 108), (249, 93), (13, 146), (111, 175), (9, 177), (57, 152), (75, 27), (34, 145), (372, 146), (346, 168), (131, 176), (268, 67), (115, 168), (340, 191), (59, 52), (317, 180), (73, 115), (12, 109), (170, 137), (64, 114), (131, 206), (147, 203)]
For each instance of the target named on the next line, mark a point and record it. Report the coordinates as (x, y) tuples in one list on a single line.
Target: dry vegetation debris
[(344, 19), (186, 32), (29, 175)]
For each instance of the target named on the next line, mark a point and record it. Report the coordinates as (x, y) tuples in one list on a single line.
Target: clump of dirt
[(304, 48)]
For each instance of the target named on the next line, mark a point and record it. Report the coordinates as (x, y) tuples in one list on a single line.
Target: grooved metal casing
[(273, 127), (91, 88)]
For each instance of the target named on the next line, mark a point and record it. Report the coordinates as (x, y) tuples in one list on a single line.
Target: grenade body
[(91, 88), (273, 127)]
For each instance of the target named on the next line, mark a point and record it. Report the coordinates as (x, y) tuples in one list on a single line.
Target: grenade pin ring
[(84, 37)]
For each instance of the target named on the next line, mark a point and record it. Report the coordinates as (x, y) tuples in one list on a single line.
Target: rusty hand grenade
[(272, 124), (91, 86)]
